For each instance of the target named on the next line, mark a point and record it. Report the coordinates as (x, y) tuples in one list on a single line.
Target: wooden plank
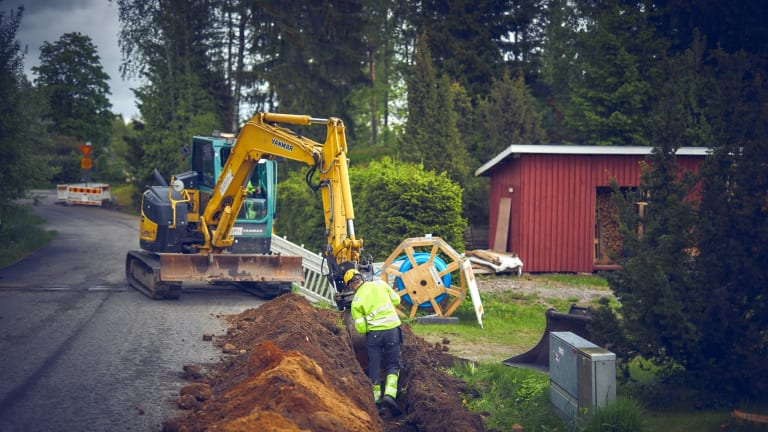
[(502, 226)]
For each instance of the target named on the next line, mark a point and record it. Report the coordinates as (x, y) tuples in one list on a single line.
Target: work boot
[(390, 386), (389, 402), (390, 394), (377, 394)]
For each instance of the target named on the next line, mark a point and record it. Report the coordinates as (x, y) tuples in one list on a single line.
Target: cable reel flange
[(422, 271)]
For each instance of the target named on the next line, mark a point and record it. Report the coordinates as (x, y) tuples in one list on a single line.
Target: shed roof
[(516, 149)]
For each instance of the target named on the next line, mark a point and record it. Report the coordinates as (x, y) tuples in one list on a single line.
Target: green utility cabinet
[(582, 375)]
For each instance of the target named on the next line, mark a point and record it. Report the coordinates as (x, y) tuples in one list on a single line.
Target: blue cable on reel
[(421, 258)]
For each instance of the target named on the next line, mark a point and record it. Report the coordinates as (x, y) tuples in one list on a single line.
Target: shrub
[(395, 201), (392, 202)]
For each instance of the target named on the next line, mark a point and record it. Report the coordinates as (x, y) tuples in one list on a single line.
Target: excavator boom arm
[(262, 137)]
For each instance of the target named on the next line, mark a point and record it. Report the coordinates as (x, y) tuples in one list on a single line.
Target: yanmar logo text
[(276, 142)]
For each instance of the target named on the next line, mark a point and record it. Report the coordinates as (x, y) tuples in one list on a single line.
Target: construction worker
[(249, 206), (254, 191), (374, 314)]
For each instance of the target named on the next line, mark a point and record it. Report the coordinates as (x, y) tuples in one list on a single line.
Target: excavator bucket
[(575, 321)]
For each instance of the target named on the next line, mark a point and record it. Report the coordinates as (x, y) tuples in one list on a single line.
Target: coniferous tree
[(691, 287), (654, 284), (423, 105), (661, 301), (465, 39), (618, 54), (431, 132), (472, 134), (733, 231), (685, 95), (558, 71), (447, 149), (510, 116), (526, 26), (375, 105), (731, 26), (310, 56)]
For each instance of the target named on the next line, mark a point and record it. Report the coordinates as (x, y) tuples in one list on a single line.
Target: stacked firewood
[(607, 236)]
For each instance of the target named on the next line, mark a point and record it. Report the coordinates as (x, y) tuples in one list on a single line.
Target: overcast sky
[(47, 20)]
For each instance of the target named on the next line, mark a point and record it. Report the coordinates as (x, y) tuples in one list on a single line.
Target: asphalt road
[(80, 350)]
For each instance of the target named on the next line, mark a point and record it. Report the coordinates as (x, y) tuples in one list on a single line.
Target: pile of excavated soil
[(291, 367)]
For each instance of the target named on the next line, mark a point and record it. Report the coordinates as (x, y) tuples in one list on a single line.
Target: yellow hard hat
[(349, 275)]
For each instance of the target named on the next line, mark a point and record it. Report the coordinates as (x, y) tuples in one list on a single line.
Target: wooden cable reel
[(421, 270)]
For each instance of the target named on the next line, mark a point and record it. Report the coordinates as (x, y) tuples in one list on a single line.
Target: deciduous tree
[(71, 76), (24, 146), (176, 47)]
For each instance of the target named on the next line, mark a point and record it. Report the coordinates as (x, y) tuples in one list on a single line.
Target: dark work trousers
[(388, 343)]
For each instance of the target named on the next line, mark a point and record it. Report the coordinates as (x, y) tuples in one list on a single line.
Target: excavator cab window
[(202, 161), (255, 206)]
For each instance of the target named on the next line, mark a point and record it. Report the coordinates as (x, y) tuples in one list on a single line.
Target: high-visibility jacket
[(373, 307)]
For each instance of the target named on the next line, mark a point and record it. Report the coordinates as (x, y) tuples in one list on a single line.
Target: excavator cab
[(254, 225)]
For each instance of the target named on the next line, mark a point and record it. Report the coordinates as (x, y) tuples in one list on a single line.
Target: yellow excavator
[(184, 235)]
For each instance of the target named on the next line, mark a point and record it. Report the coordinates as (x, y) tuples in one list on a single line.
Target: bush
[(395, 201), (392, 202)]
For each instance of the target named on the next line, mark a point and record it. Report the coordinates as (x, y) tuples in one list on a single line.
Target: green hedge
[(393, 201)]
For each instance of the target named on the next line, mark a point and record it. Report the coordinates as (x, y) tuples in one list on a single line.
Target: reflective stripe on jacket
[(373, 307)]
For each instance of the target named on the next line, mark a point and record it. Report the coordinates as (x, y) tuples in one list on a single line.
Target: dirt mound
[(293, 368)]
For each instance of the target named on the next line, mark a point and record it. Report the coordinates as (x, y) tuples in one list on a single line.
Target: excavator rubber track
[(142, 270), (266, 290)]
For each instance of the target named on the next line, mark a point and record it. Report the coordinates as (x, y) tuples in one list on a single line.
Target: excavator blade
[(231, 268), (160, 276)]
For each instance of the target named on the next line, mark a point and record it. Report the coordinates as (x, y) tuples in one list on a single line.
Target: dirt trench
[(291, 367)]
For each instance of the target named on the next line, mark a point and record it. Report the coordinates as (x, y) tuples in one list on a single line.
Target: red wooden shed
[(548, 203)]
